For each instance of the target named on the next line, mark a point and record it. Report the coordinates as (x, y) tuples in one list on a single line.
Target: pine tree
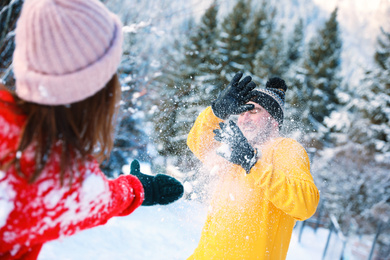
[(295, 108), (190, 80), (371, 127), (354, 178), (202, 56), (234, 41), (321, 70), (354, 174), (295, 43), (260, 28), (9, 13), (131, 137), (169, 103), (382, 54), (270, 61)]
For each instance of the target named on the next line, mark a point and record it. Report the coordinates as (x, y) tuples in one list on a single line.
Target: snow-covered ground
[(159, 233)]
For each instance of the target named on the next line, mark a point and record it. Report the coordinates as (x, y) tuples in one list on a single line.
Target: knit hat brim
[(65, 89), (271, 98), (270, 104)]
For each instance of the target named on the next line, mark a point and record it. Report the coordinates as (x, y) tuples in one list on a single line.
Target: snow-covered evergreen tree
[(202, 56), (354, 175), (295, 43), (271, 60), (234, 41), (9, 13), (131, 137), (322, 78), (351, 185), (259, 30), (211, 65), (190, 80), (296, 110), (371, 108), (171, 89)]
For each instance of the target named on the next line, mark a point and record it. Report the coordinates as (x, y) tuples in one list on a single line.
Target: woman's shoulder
[(9, 110), (5, 94)]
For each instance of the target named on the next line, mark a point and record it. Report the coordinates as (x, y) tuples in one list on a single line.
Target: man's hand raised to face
[(239, 150), (232, 100)]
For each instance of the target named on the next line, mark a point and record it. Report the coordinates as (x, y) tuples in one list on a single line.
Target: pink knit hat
[(66, 50)]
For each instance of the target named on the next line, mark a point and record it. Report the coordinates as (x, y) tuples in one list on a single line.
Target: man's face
[(256, 124)]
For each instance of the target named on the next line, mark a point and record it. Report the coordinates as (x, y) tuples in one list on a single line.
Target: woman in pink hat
[(58, 126)]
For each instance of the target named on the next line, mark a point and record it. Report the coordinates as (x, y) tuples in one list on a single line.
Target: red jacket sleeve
[(43, 211), (136, 190), (32, 214)]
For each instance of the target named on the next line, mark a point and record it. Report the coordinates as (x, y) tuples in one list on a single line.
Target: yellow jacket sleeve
[(284, 175), (201, 139)]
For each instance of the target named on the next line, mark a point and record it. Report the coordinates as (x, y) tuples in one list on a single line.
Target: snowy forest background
[(334, 56)]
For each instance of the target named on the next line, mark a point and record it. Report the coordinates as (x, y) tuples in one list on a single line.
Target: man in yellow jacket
[(264, 183)]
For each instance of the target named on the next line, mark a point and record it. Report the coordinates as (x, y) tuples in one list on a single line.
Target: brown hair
[(84, 128)]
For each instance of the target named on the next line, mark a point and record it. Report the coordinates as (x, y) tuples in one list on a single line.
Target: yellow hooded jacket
[(252, 216)]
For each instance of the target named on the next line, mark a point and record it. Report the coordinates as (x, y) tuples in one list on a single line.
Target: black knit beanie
[(271, 98)]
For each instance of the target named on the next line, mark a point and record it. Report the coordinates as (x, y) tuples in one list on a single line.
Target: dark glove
[(239, 151), (160, 189), (232, 100)]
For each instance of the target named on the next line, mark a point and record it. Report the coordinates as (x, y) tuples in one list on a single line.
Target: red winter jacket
[(32, 214)]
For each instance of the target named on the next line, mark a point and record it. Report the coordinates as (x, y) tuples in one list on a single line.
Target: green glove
[(160, 189)]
